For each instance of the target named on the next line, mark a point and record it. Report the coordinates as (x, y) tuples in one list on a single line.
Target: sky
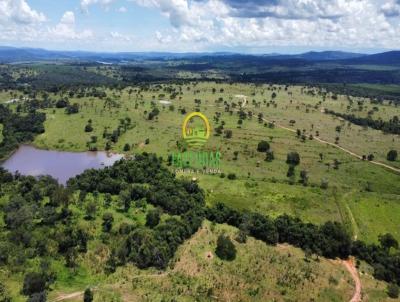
[(248, 26)]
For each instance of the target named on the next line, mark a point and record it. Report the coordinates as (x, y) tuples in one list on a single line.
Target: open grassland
[(361, 195), (258, 273)]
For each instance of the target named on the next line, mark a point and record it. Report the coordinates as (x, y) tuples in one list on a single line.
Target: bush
[(269, 156), (88, 295), (263, 146), (241, 236), (33, 283), (393, 291), (153, 218), (38, 297), (108, 220), (324, 184), (225, 248), (293, 158), (88, 128), (228, 133), (232, 176), (127, 147), (392, 155)]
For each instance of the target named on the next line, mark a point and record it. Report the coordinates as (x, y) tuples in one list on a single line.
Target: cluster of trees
[(113, 136), (37, 225), (19, 128), (391, 126), (38, 219), (330, 240), (143, 177)]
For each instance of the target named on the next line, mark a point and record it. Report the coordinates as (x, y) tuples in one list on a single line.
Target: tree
[(393, 290), (33, 283), (263, 146), (370, 157), (107, 200), (88, 295), (125, 199), (231, 176), (71, 109), (392, 155), (241, 236), (38, 297), (336, 164), (225, 248), (290, 172), (153, 218), (88, 128), (387, 241), (91, 209), (108, 220), (293, 158), (269, 155), (4, 295), (127, 147), (228, 133), (324, 183), (304, 177)]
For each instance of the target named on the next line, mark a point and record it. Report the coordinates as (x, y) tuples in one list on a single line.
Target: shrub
[(269, 156), (324, 184), (225, 248), (232, 176), (153, 218), (33, 283), (263, 146), (393, 291), (293, 158), (88, 295), (88, 128), (392, 155)]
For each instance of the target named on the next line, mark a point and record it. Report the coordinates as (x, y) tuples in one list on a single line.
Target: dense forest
[(19, 128)]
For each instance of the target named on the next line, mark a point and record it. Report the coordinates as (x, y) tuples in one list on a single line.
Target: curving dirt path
[(77, 294), (338, 147), (64, 297), (349, 264)]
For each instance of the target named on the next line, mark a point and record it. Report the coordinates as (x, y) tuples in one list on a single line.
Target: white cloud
[(18, 11), (263, 23), (65, 29), (391, 8), (122, 9), (85, 4), (121, 37)]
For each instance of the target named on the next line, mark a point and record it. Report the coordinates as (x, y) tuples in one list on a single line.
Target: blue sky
[(254, 26)]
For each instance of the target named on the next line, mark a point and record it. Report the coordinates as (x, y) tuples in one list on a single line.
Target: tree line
[(390, 126), (19, 128)]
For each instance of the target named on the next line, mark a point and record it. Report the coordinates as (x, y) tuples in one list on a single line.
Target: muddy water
[(62, 165)]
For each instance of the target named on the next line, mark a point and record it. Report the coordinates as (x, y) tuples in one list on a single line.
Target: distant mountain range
[(14, 55)]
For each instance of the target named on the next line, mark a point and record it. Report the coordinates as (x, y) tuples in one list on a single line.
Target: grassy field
[(363, 196), (260, 185), (259, 273), (353, 188)]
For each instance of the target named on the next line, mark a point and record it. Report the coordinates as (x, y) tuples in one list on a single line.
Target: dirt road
[(338, 147), (350, 266)]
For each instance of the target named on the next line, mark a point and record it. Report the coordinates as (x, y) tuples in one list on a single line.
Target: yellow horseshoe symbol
[(200, 115)]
